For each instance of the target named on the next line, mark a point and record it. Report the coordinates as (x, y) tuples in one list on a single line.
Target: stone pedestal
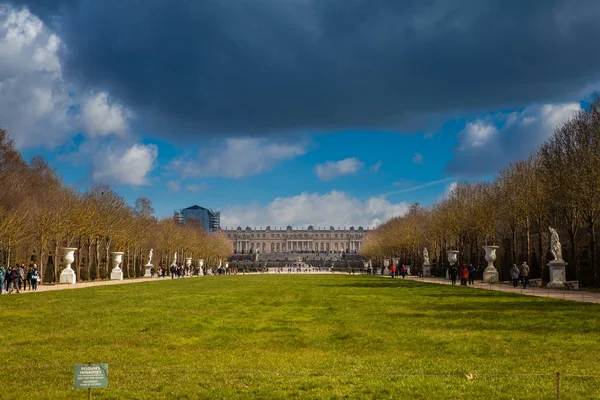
[(558, 275), (386, 271), (68, 275), (426, 270), (148, 268), (116, 274), (490, 274)]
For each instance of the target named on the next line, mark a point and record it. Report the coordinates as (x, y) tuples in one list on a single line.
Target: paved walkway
[(575, 295)]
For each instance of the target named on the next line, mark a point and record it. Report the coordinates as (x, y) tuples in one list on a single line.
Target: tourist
[(173, 271), (453, 272), (21, 269), (393, 271), (464, 275), (514, 275), (524, 274), (471, 270), (403, 271), (15, 279), (34, 277), (28, 278), (2, 277)]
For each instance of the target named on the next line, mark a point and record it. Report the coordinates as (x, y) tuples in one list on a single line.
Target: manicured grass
[(298, 336)]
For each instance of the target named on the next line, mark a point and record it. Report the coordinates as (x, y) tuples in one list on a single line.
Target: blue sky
[(277, 117)]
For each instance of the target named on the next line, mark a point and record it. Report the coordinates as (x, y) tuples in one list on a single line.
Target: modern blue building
[(209, 219)]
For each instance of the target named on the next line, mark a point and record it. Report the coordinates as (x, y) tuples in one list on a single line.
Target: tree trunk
[(514, 245), (98, 266), (78, 265), (41, 264), (127, 262), (528, 238), (592, 230), (55, 262)]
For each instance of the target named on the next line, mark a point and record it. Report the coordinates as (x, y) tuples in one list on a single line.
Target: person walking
[(524, 274), (21, 269), (393, 271), (15, 279), (2, 277), (34, 278), (173, 270), (28, 277), (471, 271), (514, 275), (403, 271), (453, 273), (464, 275)]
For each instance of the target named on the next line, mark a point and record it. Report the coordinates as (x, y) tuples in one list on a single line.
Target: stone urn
[(68, 275), (116, 273), (452, 259), (490, 274)]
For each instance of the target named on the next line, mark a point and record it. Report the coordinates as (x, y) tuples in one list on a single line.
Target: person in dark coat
[(453, 271)]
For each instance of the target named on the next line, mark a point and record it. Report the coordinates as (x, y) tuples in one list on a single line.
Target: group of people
[(520, 274), (399, 271), (466, 274), (18, 277)]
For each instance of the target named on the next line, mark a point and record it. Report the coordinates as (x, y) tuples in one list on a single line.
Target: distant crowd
[(467, 274), (19, 277)]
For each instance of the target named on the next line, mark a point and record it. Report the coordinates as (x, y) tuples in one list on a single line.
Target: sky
[(295, 112)]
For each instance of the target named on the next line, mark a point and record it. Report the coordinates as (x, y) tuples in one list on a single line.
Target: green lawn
[(298, 336)]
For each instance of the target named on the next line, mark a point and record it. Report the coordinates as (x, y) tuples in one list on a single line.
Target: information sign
[(91, 376)]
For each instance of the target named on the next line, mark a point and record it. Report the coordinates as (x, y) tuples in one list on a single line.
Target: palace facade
[(294, 240)]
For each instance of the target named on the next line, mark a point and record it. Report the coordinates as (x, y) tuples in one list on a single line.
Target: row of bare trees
[(558, 186), (39, 214)]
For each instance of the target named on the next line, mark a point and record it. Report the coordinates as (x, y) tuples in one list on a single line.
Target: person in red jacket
[(393, 271), (464, 275)]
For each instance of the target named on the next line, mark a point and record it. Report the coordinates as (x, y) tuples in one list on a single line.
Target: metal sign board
[(90, 376)]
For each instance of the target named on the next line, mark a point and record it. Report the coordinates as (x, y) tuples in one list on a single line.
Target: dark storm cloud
[(264, 66)]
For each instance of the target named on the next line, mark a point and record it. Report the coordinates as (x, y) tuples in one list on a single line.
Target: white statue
[(425, 256), (150, 256), (555, 247), (174, 259)]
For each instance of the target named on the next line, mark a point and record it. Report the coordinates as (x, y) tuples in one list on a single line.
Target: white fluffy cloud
[(334, 208), (130, 167), (37, 106), (332, 169), (237, 158), (487, 145), (100, 116)]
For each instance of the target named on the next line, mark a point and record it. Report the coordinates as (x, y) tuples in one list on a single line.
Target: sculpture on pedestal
[(426, 263), (490, 274), (149, 265), (558, 275), (116, 273), (555, 246), (68, 275), (174, 259)]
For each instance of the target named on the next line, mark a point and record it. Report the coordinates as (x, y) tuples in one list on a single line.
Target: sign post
[(90, 376)]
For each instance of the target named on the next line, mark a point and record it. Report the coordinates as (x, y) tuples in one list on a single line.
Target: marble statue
[(175, 258), (150, 256), (555, 247), (425, 256)]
